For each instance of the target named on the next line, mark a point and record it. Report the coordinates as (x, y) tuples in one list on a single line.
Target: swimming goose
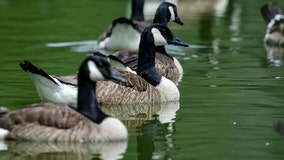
[(125, 33), (59, 122), (147, 86), (166, 65), (273, 16)]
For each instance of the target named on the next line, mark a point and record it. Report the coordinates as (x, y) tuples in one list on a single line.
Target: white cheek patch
[(95, 74), (172, 13), (159, 40)]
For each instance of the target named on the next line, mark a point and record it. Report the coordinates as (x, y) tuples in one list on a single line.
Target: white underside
[(3, 146), (58, 93), (179, 67), (3, 133), (123, 36), (168, 90)]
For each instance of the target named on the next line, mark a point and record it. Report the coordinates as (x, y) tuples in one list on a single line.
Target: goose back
[(136, 91)]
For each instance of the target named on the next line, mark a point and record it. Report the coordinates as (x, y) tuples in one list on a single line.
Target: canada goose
[(166, 65), (125, 33), (147, 86), (273, 16), (59, 122)]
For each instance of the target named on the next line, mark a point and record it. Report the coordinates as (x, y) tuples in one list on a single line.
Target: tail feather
[(270, 10), (29, 67)]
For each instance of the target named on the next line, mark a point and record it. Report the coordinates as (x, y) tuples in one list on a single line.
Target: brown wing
[(164, 64), (127, 58), (45, 114), (70, 79), (166, 67), (136, 90)]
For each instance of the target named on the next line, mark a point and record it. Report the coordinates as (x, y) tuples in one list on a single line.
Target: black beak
[(178, 21), (116, 76), (176, 41)]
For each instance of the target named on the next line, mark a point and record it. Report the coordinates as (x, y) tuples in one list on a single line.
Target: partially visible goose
[(125, 33), (59, 122), (273, 16), (147, 86)]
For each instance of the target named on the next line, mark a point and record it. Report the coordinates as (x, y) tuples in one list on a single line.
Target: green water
[(231, 92)]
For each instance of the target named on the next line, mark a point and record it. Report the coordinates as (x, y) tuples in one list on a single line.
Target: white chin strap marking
[(172, 13), (95, 73), (159, 40)]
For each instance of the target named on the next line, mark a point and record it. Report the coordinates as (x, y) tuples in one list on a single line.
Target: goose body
[(60, 122), (147, 86), (273, 16), (125, 33)]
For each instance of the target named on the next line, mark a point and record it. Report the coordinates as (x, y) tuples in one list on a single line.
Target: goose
[(125, 33), (60, 122), (273, 16), (166, 65), (147, 86)]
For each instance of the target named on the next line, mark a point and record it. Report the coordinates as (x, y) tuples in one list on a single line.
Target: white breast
[(123, 36), (168, 90)]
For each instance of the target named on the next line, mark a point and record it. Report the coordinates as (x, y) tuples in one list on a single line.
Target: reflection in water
[(154, 139), (274, 55), (63, 150), (138, 114), (154, 126)]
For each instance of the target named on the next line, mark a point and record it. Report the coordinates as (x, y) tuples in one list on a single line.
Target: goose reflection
[(274, 55), (63, 150), (154, 126), (138, 114)]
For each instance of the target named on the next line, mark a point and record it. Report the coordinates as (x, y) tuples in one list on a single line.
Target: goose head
[(162, 35), (98, 68), (167, 12), (152, 37), (94, 68)]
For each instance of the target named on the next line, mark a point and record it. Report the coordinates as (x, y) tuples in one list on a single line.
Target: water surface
[(231, 91)]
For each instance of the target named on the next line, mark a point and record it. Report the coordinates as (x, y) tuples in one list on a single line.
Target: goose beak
[(176, 41), (116, 76), (178, 21)]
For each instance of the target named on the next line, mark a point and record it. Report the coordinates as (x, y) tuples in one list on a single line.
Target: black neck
[(146, 61), (161, 49), (87, 102), (162, 16), (137, 10)]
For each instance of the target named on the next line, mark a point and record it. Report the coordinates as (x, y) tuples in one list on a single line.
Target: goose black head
[(99, 68), (162, 35), (169, 11)]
